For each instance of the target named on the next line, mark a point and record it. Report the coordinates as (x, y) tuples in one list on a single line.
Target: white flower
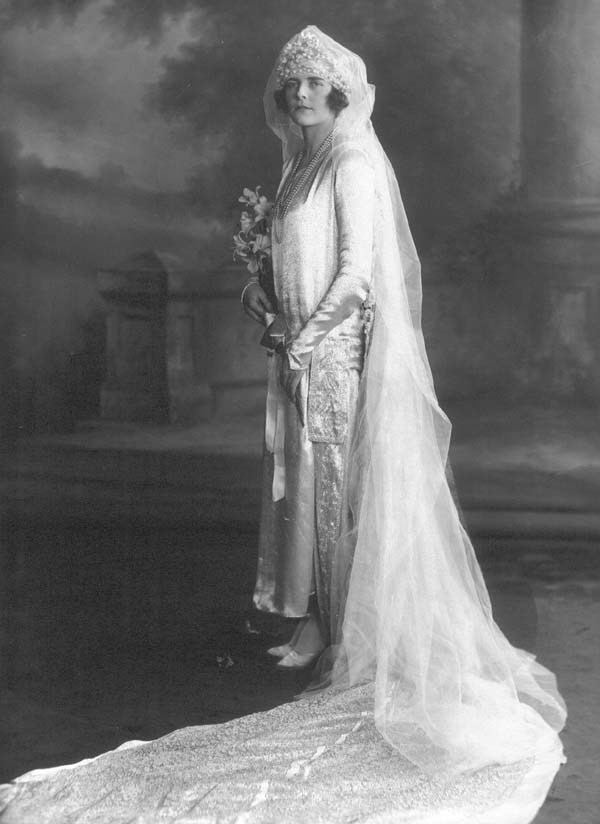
[(249, 197), (252, 244), (246, 222), (262, 243), (262, 208)]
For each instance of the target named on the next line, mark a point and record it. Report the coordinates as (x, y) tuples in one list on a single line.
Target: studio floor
[(127, 563)]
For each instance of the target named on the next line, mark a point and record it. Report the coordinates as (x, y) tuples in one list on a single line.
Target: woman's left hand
[(292, 383), (276, 335)]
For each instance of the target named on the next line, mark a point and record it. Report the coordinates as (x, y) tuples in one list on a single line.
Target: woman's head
[(310, 77), (339, 81), (309, 92)]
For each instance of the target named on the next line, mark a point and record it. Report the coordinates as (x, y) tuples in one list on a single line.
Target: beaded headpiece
[(305, 54)]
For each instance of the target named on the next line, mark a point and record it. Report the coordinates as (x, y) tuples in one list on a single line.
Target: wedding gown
[(432, 717), (321, 254)]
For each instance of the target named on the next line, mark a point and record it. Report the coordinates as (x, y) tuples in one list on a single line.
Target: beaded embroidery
[(304, 54), (329, 393)]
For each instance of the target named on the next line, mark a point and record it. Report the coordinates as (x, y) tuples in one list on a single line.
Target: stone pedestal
[(561, 185), (179, 348), (190, 396), (136, 378)]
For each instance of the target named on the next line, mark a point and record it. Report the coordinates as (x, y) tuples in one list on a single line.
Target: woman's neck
[(314, 136)]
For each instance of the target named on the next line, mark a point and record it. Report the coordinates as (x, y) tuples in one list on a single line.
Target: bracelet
[(251, 282)]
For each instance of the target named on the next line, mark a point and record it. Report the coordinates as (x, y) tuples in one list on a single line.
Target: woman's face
[(306, 99)]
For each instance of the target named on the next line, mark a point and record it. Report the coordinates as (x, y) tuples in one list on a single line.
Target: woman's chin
[(303, 117)]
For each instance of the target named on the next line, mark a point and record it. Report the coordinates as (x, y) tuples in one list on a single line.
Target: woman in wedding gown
[(430, 716), (322, 238)]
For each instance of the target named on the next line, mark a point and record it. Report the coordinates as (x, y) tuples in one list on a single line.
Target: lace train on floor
[(320, 759)]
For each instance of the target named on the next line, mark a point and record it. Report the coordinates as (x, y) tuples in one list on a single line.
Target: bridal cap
[(307, 53), (311, 52)]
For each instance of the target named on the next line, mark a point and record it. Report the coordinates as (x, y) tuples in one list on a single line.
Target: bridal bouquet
[(252, 244)]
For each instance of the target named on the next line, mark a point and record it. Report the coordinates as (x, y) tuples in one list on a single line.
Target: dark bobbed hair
[(336, 100)]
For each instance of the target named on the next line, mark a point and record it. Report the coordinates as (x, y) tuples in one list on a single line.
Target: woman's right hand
[(256, 303)]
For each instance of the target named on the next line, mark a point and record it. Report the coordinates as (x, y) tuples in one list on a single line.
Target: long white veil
[(451, 693)]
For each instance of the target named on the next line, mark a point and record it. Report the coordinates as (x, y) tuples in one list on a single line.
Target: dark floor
[(127, 567), (120, 631)]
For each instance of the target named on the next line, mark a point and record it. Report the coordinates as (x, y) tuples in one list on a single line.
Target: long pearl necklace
[(296, 182)]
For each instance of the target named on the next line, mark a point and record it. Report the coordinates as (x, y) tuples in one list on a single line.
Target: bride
[(429, 714)]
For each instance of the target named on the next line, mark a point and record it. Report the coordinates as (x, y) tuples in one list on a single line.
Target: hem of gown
[(528, 797), (43, 773), (262, 606), (520, 807), (265, 603)]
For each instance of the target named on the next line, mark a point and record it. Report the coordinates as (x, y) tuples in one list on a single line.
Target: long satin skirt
[(301, 555)]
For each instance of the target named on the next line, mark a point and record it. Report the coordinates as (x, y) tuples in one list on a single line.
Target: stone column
[(561, 183)]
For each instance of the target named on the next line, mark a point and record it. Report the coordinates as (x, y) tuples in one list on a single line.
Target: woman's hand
[(277, 335), (256, 303), (293, 385)]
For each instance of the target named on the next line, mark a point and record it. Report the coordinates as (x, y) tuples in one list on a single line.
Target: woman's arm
[(354, 194)]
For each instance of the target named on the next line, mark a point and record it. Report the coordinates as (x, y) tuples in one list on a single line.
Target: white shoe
[(279, 652), (297, 660)]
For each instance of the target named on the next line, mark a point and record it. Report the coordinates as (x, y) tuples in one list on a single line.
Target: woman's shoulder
[(352, 157), (352, 167)]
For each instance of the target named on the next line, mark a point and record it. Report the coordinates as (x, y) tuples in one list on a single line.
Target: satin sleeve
[(353, 198)]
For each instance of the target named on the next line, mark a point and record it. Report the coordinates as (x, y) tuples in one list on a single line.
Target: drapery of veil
[(451, 693)]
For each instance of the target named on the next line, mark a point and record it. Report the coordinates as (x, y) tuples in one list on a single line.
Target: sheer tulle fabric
[(451, 693)]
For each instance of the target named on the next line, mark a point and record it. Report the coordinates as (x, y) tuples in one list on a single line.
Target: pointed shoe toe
[(279, 652), (296, 660)]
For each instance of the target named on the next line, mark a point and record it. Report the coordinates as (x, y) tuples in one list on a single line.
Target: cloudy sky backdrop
[(128, 125), (148, 113)]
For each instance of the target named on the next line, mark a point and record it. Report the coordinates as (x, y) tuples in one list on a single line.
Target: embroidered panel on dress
[(328, 394)]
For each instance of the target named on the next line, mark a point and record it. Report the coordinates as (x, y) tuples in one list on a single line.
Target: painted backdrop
[(130, 124)]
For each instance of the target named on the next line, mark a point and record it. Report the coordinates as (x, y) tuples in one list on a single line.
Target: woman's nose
[(302, 90)]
